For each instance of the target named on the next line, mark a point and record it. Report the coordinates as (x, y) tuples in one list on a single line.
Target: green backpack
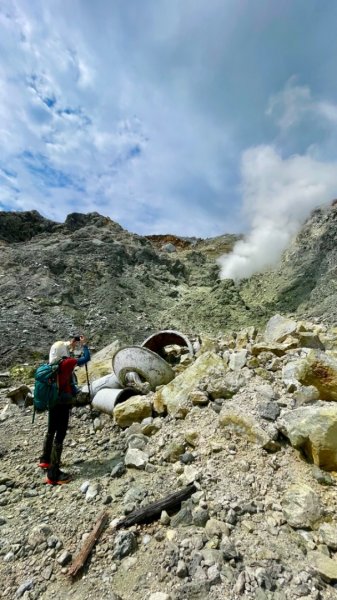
[(46, 389)]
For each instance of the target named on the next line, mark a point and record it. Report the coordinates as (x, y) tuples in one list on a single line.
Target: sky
[(192, 117)]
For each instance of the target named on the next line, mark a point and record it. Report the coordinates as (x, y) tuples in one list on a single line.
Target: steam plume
[(279, 195)]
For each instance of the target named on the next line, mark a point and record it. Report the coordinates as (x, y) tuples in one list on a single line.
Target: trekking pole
[(89, 389)]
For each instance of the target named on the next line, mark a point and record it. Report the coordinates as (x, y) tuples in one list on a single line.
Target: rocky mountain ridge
[(89, 274)]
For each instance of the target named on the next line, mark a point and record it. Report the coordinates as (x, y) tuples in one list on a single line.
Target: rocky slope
[(262, 523), (90, 275)]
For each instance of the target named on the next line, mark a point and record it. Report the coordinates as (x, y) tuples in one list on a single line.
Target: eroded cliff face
[(304, 282), (89, 274)]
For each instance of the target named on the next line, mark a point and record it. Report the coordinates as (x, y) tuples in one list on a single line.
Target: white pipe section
[(106, 399), (108, 381)]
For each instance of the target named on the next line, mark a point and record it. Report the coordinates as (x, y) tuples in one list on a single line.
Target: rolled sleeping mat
[(108, 381), (106, 399)]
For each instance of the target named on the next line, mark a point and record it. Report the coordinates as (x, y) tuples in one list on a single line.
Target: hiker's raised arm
[(86, 356)]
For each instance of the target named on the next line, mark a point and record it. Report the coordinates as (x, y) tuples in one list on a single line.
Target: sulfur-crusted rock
[(133, 410), (320, 370), (173, 397), (313, 429)]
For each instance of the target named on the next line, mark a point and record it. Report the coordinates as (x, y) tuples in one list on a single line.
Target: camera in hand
[(77, 338)]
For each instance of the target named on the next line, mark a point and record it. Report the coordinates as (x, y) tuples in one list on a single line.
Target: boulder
[(313, 429), (133, 410), (173, 397), (278, 328), (301, 506), (320, 370)]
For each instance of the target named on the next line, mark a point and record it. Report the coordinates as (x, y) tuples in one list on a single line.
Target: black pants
[(58, 420)]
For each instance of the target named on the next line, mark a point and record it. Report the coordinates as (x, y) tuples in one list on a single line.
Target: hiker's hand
[(83, 340)]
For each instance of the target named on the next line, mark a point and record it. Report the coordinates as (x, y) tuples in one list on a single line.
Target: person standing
[(58, 415)]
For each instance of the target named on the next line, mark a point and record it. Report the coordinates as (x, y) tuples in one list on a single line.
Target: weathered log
[(80, 560), (153, 510)]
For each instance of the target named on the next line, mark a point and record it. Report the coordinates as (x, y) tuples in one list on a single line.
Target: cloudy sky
[(194, 117)]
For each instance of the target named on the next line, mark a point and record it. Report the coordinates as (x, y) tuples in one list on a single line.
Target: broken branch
[(80, 560)]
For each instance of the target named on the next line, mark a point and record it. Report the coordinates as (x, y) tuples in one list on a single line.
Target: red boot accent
[(44, 465)]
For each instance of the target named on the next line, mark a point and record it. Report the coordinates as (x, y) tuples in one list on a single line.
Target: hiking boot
[(61, 479), (43, 464)]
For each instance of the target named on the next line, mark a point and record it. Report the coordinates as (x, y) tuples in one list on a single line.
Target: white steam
[(279, 195)]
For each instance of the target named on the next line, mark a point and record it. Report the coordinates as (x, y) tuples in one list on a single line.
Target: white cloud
[(278, 196)]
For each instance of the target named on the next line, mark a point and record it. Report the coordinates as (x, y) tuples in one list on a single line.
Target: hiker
[(58, 415)]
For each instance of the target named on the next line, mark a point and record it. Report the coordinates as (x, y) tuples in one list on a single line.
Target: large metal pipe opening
[(158, 341), (106, 399)]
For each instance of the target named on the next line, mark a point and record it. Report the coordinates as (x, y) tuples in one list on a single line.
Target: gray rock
[(24, 587), (200, 517), (136, 458), (187, 458), (64, 558), (92, 491), (138, 440), (181, 570), (213, 575), (194, 590), (305, 394), (38, 535), (269, 410), (118, 470), (125, 544), (322, 477), (135, 494), (183, 517)]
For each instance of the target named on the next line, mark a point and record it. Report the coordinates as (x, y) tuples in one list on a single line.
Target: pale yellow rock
[(173, 397), (99, 365), (133, 410)]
